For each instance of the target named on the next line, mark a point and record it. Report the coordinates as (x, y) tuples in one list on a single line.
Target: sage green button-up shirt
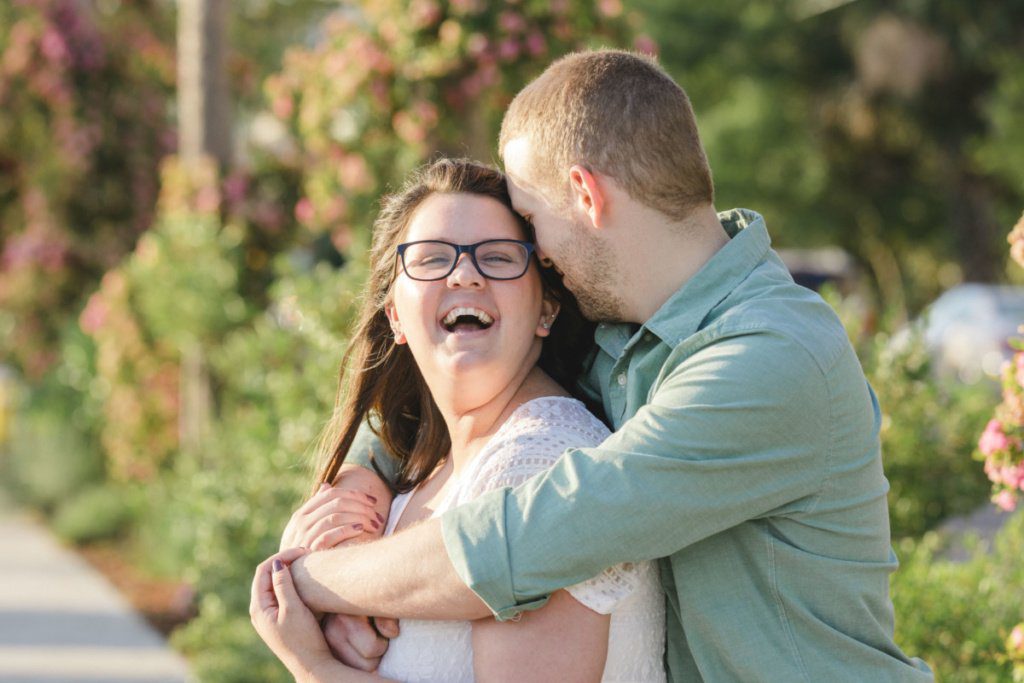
[(746, 457)]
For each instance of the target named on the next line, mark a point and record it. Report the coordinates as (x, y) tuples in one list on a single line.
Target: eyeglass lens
[(498, 259)]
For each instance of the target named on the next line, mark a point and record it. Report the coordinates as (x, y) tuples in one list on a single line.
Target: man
[(746, 454)]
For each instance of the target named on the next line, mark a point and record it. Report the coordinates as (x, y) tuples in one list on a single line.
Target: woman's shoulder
[(554, 419), (536, 434)]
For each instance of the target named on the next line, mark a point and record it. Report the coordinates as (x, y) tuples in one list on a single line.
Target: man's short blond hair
[(619, 114)]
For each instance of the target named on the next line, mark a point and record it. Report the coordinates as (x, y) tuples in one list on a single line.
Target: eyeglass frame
[(470, 249)]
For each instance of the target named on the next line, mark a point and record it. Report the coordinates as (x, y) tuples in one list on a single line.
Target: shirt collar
[(681, 315)]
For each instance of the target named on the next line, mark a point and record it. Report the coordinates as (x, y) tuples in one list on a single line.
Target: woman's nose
[(465, 273)]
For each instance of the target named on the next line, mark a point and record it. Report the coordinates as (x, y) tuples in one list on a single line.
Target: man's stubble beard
[(593, 280)]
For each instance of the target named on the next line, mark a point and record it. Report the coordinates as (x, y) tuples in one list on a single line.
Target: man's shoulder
[(772, 307)]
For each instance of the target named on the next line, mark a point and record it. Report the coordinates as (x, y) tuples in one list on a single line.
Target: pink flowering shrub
[(1001, 445), (84, 95), (391, 83)]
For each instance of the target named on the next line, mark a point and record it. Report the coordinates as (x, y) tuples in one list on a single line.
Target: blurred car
[(968, 327)]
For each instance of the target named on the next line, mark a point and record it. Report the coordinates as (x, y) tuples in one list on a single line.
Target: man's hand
[(356, 642)]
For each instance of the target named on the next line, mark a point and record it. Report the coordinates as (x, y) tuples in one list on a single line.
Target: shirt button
[(622, 379)]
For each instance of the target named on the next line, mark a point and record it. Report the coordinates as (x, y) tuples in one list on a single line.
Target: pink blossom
[(283, 106), (535, 44), (1015, 643), (511, 22), (95, 315), (235, 187), (646, 45), (477, 44), (993, 439), (53, 46), (304, 211), (1018, 360), (1006, 500), (1012, 476), (354, 174), (610, 8)]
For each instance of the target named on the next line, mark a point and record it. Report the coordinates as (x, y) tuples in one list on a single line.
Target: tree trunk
[(204, 102)]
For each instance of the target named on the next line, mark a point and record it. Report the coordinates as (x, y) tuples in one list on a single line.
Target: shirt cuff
[(474, 536)]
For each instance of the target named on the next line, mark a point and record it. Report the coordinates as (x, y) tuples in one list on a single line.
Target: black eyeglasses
[(494, 259)]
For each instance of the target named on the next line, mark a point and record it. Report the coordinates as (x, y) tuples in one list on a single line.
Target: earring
[(548, 323)]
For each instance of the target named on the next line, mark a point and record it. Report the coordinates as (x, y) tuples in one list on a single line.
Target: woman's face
[(484, 358)]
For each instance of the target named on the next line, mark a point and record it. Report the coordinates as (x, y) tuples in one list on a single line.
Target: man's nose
[(465, 273)]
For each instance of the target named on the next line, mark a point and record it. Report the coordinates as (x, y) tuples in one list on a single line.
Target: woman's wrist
[(314, 669)]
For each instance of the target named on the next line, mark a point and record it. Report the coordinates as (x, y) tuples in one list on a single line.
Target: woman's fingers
[(386, 626), (354, 641), (351, 505), (264, 597), (335, 535), (330, 493), (284, 590)]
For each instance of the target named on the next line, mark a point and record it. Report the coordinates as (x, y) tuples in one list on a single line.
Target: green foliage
[(956, 616), (48, 461), (98, 513), (891, 129), (52, 451), (221, 511), (928, 432)]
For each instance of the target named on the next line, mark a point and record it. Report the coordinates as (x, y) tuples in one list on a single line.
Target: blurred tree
[(884, 127)]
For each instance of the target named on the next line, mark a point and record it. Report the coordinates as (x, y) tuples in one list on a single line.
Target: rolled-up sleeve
[(367, 446), (738, 430)]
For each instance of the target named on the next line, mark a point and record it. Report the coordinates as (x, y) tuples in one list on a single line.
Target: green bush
[(929, 428), (220, 511), (98, 513), (52, 453), (956, 616), (929, 425)]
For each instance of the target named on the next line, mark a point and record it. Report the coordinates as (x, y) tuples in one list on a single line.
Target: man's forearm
[(407, 576)]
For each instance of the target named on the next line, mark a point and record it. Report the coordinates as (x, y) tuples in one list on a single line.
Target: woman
[(461, 370)]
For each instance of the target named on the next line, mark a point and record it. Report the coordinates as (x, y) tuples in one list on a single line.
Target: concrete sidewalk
[(61, 621)]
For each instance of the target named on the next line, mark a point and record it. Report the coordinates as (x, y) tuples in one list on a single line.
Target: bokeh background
[(186, 193)]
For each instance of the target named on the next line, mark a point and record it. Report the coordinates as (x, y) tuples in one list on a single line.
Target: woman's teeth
[(467, 315)]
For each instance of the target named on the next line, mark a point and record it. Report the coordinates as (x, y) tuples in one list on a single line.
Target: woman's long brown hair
[(386, 386)]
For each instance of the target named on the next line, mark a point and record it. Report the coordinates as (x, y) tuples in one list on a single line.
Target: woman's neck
[(473, 420)]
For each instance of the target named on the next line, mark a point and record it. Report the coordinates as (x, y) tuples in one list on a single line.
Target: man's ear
[(396, 324), (587, 195), (548, 312)]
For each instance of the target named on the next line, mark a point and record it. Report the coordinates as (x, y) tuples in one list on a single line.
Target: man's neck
[(666, 258)]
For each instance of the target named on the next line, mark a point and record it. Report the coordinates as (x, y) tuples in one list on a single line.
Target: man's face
[(568, 242)]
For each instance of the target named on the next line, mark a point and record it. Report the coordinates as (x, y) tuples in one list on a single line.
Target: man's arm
[(407, 575), (737, 431), (733, 433)]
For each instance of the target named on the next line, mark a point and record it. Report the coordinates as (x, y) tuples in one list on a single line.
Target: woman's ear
[(548, 312), (396, 324)]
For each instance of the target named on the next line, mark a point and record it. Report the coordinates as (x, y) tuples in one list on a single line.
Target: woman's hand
[(332, 516), (283, 621)]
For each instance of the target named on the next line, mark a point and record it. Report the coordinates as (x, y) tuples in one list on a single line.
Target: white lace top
[(530, 441)]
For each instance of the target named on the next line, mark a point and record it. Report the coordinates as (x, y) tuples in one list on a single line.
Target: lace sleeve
[(529, 443)]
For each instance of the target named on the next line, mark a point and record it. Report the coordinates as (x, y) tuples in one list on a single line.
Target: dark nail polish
[(374, 524), (372, 499), (380, 517), (278, 565), (357, 527)]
